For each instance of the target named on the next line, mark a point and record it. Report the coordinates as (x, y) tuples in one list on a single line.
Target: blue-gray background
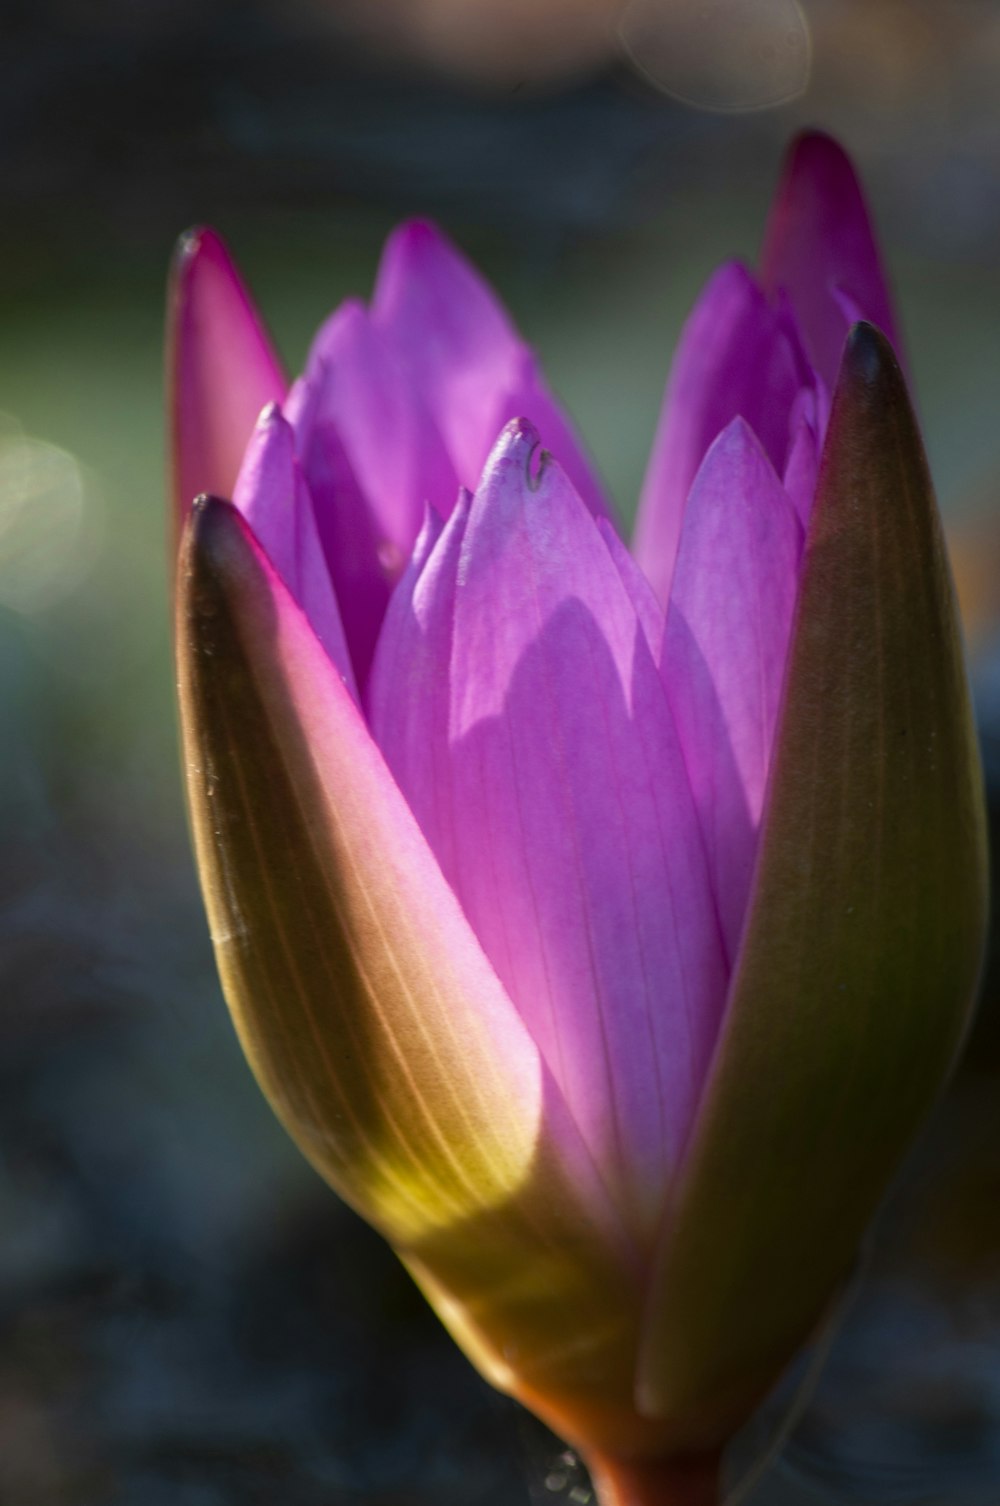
[(187, 1315)]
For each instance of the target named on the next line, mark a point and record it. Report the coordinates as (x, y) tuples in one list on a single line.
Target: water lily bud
[(600, 925)]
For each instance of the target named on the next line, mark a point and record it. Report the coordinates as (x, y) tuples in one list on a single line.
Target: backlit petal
[(395, 452), (221, 370), (865, 929), (579, 861), (737, 357), (461, 352), (821, 249), (727, 636), (271, 494), (374, 1022), (409, 687)]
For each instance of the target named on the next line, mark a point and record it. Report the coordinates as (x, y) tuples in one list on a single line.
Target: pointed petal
[(221, 369), (361, 565), (820, 247), (461, 352), (865, 931), (641, 594), (273, 497), (736, 357), (529, 398), (395, 452), (377, 1027), (727, 636), (580, 863), (367, 1009), (408, 690), (808, 425)]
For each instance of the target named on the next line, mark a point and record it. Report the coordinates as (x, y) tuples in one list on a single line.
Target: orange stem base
[(673, 1482)]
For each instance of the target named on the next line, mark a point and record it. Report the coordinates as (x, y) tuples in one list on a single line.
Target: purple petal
[(462, 353), (394, 449), (737, 357), (864, 939), (366, 1007), (371, 1016), (221, 369), (641, 594), (802, 466), (362, 565), (580, 863), (727, 638), (820, 247), (272, 495), (409, 687)]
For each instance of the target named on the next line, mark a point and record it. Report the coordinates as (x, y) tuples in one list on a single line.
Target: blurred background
[(188, 1316)]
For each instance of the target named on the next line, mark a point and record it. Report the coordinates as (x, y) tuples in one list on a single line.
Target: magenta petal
[(221, 369), (580, 862), (737, 357), (529, 398), (395, 452), (726, 642), (802, 466), (409, 687), (462, 353), (647, 609), (273, 497), (362, 564), (820, 247)]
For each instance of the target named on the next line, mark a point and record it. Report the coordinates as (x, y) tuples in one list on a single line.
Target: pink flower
[(601, 925)]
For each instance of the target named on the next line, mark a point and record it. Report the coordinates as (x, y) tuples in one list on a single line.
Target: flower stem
[(656, 1482)]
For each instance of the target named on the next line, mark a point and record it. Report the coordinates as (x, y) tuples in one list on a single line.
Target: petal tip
[(870, 379), (814, 145), (270, 417), (410, 252), (416, 235), (519, 445), (195, 246), (213, 527), (868, 354)]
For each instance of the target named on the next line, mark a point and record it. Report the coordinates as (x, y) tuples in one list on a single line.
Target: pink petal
[(462, 353), (736, 357), (366, 1007), (820, 247), (376, 1023), (394, 450), (641, 594), (362, 564), (408, 691), (221, 369), (579, 859), (726, 642), (863, 942), (808, 425), (273, 497)]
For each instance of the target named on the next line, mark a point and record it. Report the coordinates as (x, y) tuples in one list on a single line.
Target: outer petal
[(273, 497), (221, 370), (727, 636), (736, 357), (579, 859), (461, 352), (369, 1013), (820, 247), (865, 931)]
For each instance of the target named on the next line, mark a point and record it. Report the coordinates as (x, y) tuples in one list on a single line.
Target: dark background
[(187, 1315)]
